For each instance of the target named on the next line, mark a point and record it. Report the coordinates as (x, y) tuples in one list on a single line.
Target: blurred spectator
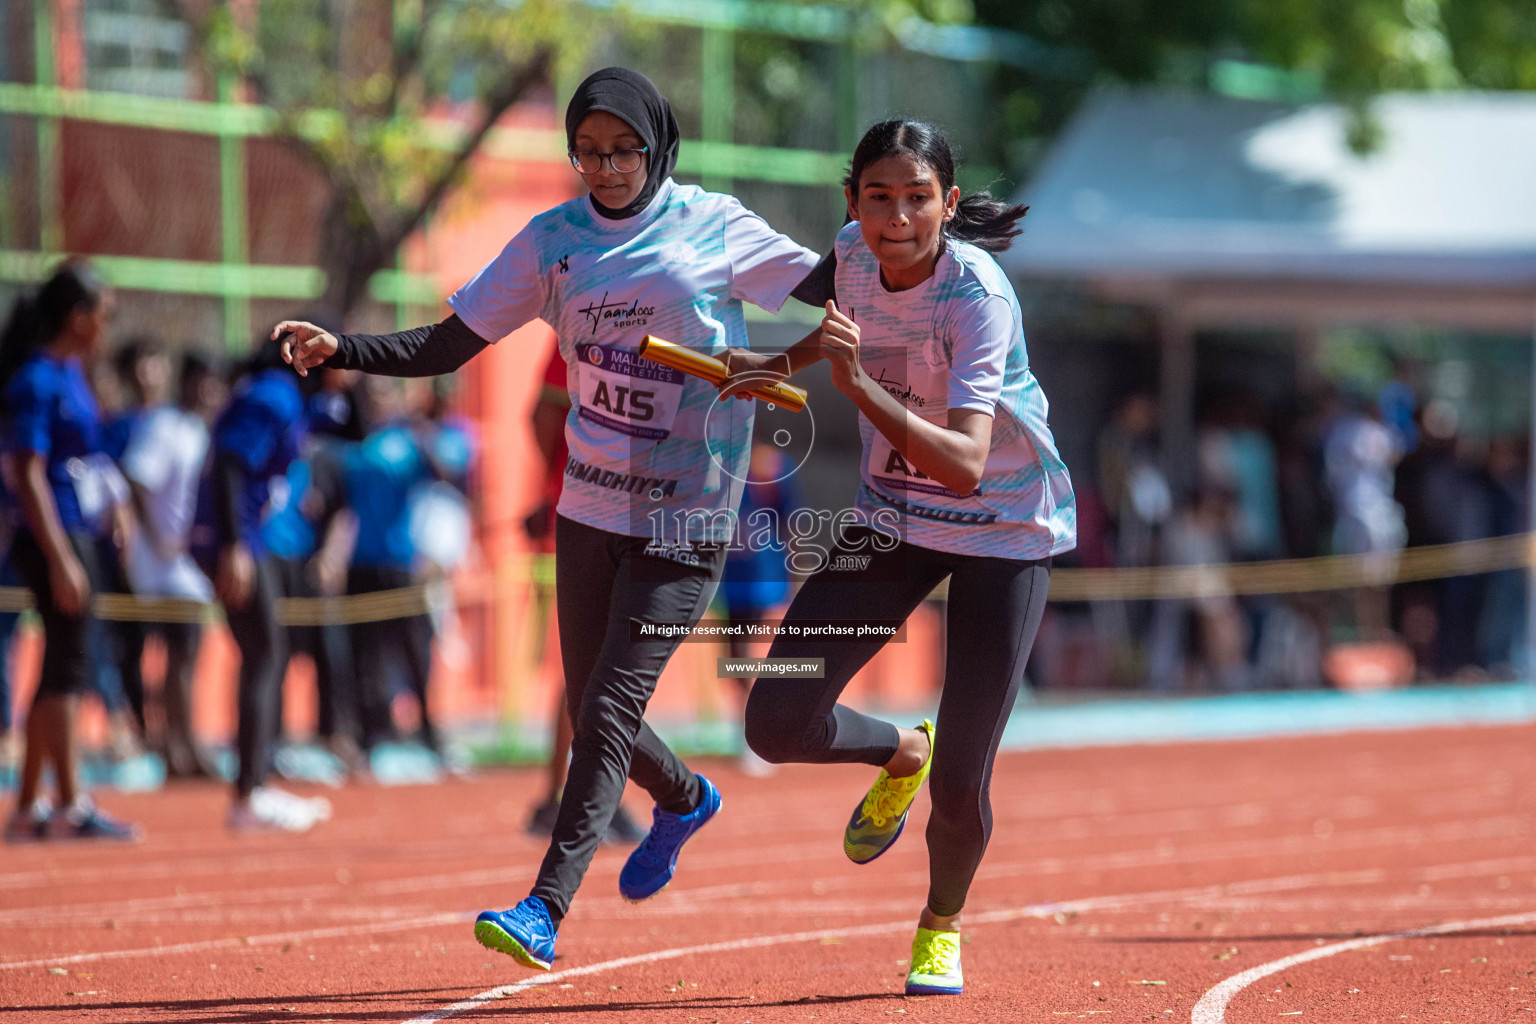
[(332, 411), (1399, 407), (440, 519), (254, 441), (143, 375), (1137, 501), (1306, 510), (1360, 455), (164, 459), (380, 475), (1131, 481), (1426, 481), (1200, 535), (1501, 634), (10, 748), (310, 532), (64, 489), (1236, 454)]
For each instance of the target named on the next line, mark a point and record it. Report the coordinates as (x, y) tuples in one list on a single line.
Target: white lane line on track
[(1452, 831), (436, 920), (432, 921), (1035, 910), (1212, 1007), (1065, 805)]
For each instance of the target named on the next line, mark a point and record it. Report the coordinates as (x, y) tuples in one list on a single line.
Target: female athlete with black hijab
[(656, 464)]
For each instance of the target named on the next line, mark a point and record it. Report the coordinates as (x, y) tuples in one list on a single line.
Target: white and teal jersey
[(643, 438), (956, 341)]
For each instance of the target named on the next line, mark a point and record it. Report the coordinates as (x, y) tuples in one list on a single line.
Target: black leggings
[(376, 646), (604, 582), (121, 642), (995, 605), (329, 647), (263, 665)]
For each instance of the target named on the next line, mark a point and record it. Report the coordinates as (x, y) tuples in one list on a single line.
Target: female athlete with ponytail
[(962, 479)]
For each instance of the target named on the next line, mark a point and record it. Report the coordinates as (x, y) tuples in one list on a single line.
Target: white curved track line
[(1212, 1007)]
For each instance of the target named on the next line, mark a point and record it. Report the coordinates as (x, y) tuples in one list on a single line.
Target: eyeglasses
[(623, 161)]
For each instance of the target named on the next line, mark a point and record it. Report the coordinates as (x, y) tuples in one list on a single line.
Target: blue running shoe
[(653, 863), (87, 821), (525, 933)]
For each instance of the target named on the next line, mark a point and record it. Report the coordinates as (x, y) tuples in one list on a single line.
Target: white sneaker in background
[(754, 766), (274, 810)]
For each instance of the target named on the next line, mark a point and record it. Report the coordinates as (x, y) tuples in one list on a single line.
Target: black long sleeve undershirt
[(427, 351), (820, 284), (439, 348)]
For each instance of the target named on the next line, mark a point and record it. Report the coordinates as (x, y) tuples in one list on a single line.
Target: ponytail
[(988, 223), (19, 337), (38, 317), (985, 222)]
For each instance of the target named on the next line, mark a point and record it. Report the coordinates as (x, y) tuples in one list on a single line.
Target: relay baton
[(655, 349)]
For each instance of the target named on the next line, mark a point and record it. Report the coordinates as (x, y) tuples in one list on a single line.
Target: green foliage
[(1349, 50), (390, 98)]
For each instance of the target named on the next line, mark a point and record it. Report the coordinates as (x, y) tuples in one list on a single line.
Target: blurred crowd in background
[(374, 502), (1346, 470)]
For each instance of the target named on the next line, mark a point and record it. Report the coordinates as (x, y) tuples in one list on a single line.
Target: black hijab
[(633, 99)]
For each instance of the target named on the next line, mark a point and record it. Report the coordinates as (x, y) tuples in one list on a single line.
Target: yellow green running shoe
[(935, 967), (877, 822)]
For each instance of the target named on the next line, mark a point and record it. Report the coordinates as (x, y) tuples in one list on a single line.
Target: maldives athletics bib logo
[(628, 394)]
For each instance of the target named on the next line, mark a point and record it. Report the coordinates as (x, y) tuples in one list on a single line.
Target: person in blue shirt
[(380, 475), (53, 467), (308, 531), (254, 441), (332, 411)]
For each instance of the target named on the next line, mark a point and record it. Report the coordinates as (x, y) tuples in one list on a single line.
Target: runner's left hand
[(840, 347)]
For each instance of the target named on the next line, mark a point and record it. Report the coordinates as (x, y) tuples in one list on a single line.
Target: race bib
[(892, 473), (623, 392)]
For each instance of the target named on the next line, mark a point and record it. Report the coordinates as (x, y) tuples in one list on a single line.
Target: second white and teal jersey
[(644, 439), (956, 341)]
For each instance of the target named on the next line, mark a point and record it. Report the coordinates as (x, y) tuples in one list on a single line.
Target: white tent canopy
[(1259, 211), (1221, 212)]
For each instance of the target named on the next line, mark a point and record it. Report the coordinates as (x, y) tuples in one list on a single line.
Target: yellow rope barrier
[(1175, 582), (1297, 575)]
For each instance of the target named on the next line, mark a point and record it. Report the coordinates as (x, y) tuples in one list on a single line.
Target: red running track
[(1374, 877)]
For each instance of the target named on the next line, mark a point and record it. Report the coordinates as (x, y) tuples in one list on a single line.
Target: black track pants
[(995, 606), (603, 583)]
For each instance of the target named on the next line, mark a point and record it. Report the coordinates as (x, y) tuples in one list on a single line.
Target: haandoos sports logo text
[(617, 314)]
